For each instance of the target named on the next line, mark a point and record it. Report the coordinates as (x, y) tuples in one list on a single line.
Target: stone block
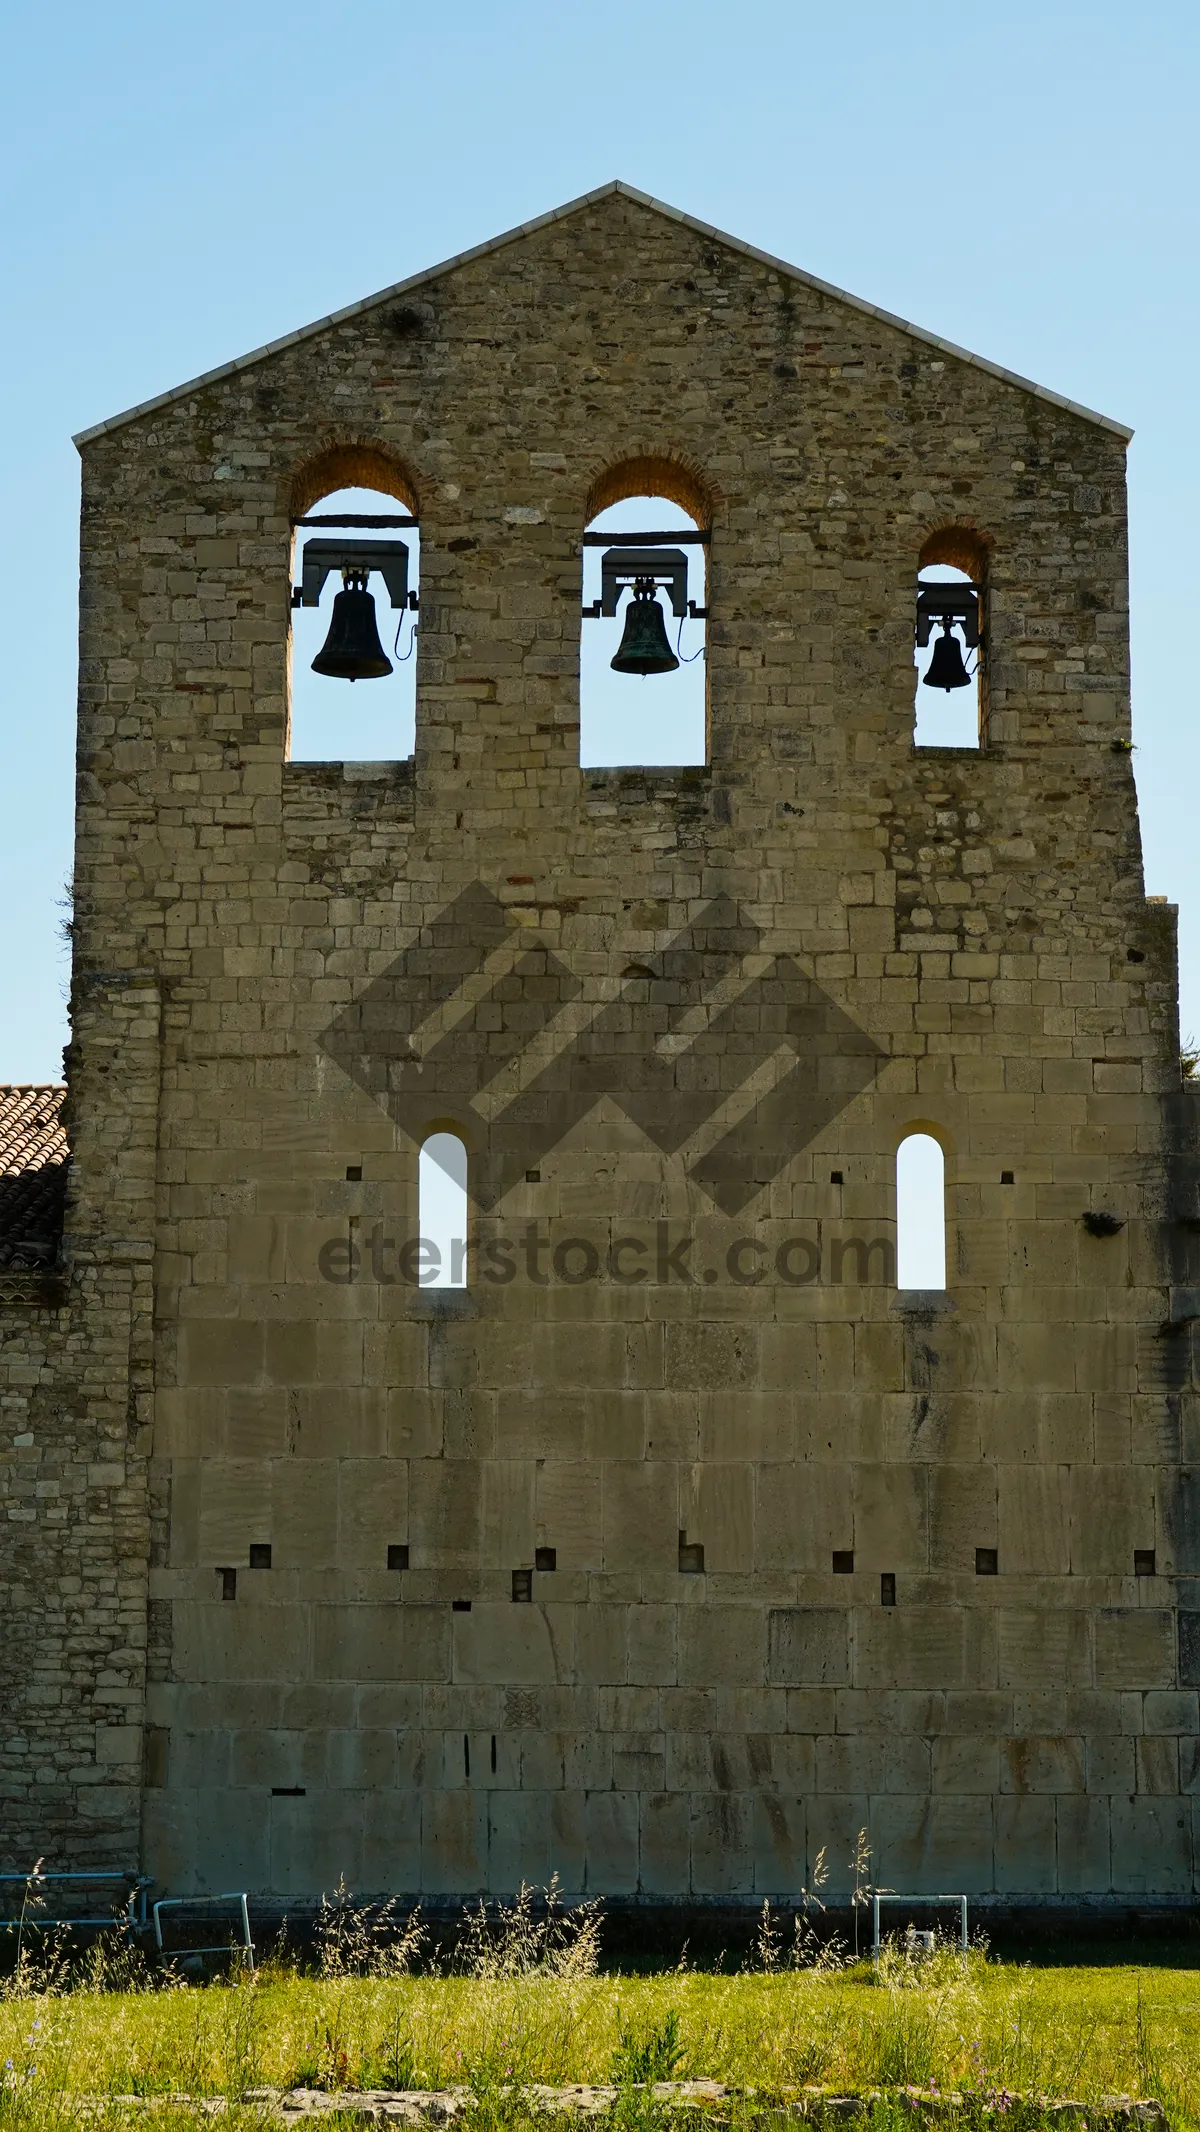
[(1083, 1842), (652, 1644), (391, 1841), (518, 1839), (454, 1841), (216, 1642), (225, 1351), (611, 1821), (1158, 1766), (809, 1645), (567, 1512), (521, 1644), (372, 1510), (1151, 1846), (910, 1647), (721, 1644), (316, 1842), (381, 1643), (1112, 1513), (717, 1509), (804, 1511), (932, 1846), (722, 1843), (891, 1519), (779, 1845), (965, 1764), (1043, 1649), (1035, 1530), (1026, 1847), (1134, 1647), (1111, 1763), (665, 1845), (962, 1514), (1042, 1765), (641, 1516)]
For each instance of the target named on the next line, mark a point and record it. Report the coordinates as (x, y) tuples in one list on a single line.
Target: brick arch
[(668, 474), (962, 547), (351, 465)]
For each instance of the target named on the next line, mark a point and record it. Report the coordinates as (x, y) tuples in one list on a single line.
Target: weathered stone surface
[(285, 973)]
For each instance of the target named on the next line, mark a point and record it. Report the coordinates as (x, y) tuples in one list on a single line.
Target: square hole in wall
[(1143, 1562), (260, 1555), (887, 1589), (1006, 1177), (843, 1561), (987, 1562), (533, 1176), (545, 1558), (398, 1556), (835, 1177), (354, 1173), (228, 1583), (522, 1585), (460, 1606)]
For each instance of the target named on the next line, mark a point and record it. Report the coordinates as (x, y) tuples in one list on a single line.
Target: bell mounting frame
[(948, 604), (359, 557), (623, 566)]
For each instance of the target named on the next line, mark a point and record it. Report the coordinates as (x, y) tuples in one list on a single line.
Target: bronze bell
[(946, 669), (644, 647), (352, 650)]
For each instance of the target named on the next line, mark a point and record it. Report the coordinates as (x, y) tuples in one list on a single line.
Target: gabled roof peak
[(559, 214)]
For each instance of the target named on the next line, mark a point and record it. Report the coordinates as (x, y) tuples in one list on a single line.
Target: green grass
[(528, 2005)]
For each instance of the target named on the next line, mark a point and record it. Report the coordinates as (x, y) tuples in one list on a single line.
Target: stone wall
[(845, 938)]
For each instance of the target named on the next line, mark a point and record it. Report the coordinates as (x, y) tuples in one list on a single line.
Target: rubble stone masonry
[(657, 1005)]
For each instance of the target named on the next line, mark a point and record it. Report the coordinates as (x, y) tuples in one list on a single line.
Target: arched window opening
[(920, 1213), (643, 695), (442, 1211), (354, 611), (949, 641)]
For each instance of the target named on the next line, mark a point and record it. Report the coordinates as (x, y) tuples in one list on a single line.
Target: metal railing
[(920, 1902), (200, 1902), (133, 1915)]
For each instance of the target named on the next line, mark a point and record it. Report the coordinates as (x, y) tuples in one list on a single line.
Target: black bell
[(352, 650), (644, 647), (946, 669)]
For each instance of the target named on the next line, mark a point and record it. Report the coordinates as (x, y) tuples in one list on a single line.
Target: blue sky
[(182, 184)]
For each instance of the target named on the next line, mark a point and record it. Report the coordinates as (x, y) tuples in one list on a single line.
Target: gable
[(616, 189)]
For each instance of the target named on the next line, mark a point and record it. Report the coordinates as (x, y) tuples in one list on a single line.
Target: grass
[(525, 2003)]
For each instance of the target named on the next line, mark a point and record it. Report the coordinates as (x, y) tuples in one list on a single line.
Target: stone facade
[(665, 1010)]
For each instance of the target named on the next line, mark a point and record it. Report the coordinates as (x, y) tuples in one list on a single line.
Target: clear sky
[(181, 184)]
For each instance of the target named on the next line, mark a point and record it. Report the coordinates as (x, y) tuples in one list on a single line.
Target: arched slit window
[(644, 608), (920, 1213), (949, 652), (442, 1211), (367, 544)]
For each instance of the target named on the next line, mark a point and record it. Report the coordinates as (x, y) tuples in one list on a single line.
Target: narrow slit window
[(643, 697), (951, 708), (920, 1213), (442, 1212), (372, 631)]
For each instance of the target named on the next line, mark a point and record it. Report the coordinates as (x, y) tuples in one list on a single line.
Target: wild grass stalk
[(521, 2000)]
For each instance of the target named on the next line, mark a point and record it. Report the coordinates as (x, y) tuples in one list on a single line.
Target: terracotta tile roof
[(33, 1175)]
